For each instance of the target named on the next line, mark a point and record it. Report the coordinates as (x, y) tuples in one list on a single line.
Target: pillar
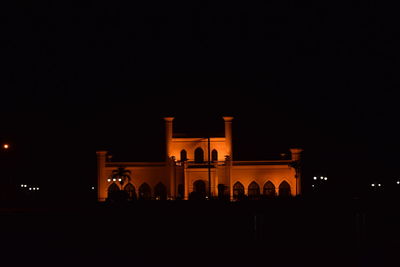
[(185, 181), (101, 175), (172, 172), (168, 136), (228, 135), (228, 171), (296, 157)]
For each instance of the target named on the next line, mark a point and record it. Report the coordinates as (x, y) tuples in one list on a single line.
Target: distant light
[(34, 188), (322, 178), (372, 184), (6, 146), (22, 185), (315, 177), (26, 186), (114, 180), (37, 188), (312, 185), (119, 180), (30, 188), (398, 182), (326, 178), (108, 180), (92, 187), (379, 184)]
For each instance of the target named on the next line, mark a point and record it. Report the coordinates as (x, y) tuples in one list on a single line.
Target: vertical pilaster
[(186, 182), (296, 158), (215, 180), (228, 173), (101, 175), (172, 177)]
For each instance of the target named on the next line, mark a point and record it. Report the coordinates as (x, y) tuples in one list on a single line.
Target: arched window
[(253, 190), (214, 155), (183, 155), (145, 192), (284, 189), (112, 191), (160, 191), (131, 191), (238, 191), (199, 155), (269, 189)]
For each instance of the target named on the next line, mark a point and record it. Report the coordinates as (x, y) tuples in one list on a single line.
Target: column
[(228, 172), (296, 158), (172, 172), (101, 175), (186, 182)]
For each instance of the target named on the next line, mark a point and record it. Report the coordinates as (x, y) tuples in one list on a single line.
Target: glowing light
[(379, 184), (372, 185), (322, 178), (326, 178), (37, 188), (22, 185), (315, 177), (108, 180), (34, 188), (30, 188), (6, 146), (312, 185), (398, 182), (114, 180), (26, 186), (92, 187), (119, 180)]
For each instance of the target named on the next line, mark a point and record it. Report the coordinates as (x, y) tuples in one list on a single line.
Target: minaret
[(228, 136), (170, 163), (168, 136)]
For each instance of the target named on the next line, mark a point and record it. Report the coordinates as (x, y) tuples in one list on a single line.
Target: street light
[(6, 146)]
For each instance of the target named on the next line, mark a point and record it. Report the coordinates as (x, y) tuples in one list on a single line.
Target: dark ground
[(301, 232)]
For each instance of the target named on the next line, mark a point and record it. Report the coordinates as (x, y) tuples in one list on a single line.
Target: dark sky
[(101, 75)]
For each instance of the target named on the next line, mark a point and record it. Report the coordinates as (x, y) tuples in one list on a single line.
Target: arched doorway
[(199, 155), (199, 189), (145, 192), (131, 191), (269, 189), (183, 155), (238, 191), (112, 191), (284, 189), (160, 192), (253, 191)]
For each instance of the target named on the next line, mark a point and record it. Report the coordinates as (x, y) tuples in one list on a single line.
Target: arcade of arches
[(200, 167)]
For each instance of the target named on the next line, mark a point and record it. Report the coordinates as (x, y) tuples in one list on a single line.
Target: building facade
[(199, 168)]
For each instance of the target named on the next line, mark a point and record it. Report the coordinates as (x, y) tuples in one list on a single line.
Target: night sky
[(94, 75)]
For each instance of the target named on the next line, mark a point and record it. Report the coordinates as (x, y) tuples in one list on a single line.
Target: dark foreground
[(271, 233)]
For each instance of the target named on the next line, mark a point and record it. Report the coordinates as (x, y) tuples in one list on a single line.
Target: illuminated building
[(191, 164)]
